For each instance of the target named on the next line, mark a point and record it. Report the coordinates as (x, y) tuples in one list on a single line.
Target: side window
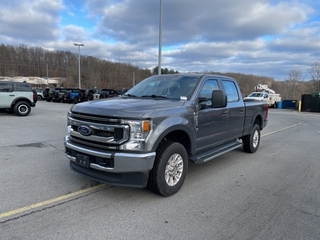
[(208, 87), (23, 87), (6, 87), (231, 91)]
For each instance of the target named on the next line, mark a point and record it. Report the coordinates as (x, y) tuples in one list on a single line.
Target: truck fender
[(248, 127), (20, 99), (169, 125)]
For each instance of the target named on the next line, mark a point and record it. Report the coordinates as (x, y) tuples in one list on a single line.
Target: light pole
[(160, 39), (79, 45)]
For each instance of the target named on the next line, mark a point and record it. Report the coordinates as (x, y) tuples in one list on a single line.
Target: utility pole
[(47, 77)]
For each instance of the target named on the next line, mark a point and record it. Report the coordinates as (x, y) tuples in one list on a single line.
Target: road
[(272, 194)]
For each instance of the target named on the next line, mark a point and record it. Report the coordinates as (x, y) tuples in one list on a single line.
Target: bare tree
[(294, 77), (315, 74)]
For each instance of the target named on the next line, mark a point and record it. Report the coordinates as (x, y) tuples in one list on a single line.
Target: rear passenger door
[(236, 110), (212, 122)]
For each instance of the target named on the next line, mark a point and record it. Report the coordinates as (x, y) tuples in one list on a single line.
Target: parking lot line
[(280, 130), (70, 195), (50, 201)]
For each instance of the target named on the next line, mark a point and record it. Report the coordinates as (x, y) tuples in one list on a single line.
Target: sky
[(260, 37)]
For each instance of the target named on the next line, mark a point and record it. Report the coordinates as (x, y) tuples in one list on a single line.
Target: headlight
[(139, 131), (68, 115)]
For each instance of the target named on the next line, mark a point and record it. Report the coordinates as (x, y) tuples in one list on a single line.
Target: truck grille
[(98, 132)]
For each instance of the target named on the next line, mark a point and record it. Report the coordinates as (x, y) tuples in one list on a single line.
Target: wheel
[(275, 105), (49, 99), (22, 108), (45, 93), (39, 97), (251, 142), (75, 100), (90, 96), (169, 170), (81, 96)]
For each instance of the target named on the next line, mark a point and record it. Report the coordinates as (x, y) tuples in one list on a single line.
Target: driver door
[(212, 122)]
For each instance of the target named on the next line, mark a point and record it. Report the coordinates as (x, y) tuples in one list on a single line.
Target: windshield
[(255, 95), (165, 86)]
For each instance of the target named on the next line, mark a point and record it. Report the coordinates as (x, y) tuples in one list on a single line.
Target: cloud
[(30, 21), (260, 37)]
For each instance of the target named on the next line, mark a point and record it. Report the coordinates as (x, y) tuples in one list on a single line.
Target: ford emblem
[(84, 130)]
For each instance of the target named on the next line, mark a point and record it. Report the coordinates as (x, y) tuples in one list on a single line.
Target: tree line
[(38, 62)]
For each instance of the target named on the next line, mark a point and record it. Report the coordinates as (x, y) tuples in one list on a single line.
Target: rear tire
[(251, 142), (169, 170), (90, 96), (22, 108)]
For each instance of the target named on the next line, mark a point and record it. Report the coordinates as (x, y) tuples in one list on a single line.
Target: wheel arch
[(20, 99), (176, 134), (258, 120)]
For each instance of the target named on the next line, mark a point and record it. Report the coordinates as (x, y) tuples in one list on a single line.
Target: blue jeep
[(71, 96)]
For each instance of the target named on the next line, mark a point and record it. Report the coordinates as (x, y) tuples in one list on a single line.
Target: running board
[(209, 155)]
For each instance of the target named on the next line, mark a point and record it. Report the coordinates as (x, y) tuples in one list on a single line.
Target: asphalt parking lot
[(272, 194)]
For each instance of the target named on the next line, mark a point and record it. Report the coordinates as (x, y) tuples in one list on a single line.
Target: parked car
[(91, 94), (39, 92), (35, 96), (46, 94), (73, 96), (107, 93), (54, 94), (17, 97), (58, 94)]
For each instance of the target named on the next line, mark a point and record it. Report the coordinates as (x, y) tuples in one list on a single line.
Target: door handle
[(225, 113)]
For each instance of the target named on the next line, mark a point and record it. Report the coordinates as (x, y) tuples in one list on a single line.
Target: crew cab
[(145, 137)]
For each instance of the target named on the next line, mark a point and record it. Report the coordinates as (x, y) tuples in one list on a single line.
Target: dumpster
[(289, 104), (279, 105)]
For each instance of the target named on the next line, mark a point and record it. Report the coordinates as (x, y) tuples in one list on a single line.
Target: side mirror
[(123, 91), (204, 102), (219, 99)]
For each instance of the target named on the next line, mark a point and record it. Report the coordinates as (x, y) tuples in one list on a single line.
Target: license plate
[(82, 160)]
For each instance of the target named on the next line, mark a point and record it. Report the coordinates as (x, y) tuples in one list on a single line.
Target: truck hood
[(126, 107)]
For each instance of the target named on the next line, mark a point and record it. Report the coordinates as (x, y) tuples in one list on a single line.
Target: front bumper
[(114, 168)]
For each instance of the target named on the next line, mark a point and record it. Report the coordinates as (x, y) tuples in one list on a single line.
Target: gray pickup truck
[(146, 137)]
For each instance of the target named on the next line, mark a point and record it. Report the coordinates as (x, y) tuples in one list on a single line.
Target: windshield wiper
[(154, 96), (129, 95)]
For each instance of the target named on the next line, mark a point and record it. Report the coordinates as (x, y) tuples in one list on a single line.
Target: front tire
[(169, 170), (22, 108), (75, 100), (251, 142)]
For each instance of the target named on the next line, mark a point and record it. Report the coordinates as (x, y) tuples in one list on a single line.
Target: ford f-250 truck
[(147, 136)]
